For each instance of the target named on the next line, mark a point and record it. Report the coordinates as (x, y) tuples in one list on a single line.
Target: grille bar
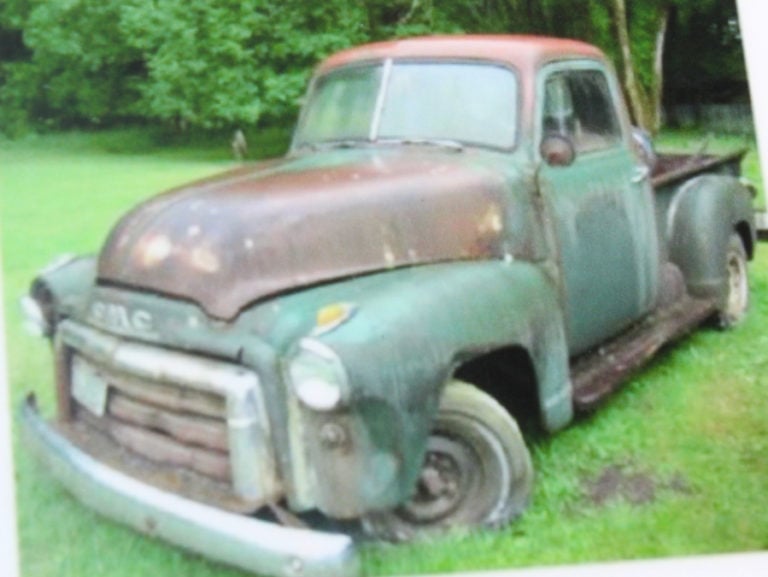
[(187, 428), (160, 448), (178, 399)]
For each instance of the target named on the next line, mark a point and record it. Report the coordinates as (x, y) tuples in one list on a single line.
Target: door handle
[(640, 174)]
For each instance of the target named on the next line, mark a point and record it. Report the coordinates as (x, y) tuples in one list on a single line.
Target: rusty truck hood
[(234, 239)]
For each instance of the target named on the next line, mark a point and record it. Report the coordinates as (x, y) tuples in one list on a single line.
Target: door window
[(578, 106)]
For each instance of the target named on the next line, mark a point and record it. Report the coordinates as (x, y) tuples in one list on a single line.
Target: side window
[(578, 105)]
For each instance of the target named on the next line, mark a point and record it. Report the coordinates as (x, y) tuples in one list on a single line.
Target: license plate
[(89, 388)]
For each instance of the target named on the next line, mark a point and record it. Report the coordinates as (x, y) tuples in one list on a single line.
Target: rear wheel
[(477, 471), (736, 299)]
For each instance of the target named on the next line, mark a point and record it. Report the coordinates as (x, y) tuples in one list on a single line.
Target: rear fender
[(703, 214)]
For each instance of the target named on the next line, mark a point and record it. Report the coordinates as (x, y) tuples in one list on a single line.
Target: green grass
[(691, 429)]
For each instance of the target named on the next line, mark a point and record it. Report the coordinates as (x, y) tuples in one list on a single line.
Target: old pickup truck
[(463, 234)]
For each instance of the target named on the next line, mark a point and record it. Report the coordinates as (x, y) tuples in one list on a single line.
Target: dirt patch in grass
[(630, 485)]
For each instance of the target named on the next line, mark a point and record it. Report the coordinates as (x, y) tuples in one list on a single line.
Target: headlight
[(37, 309), (317, 376), (37, 306), (35, 322)]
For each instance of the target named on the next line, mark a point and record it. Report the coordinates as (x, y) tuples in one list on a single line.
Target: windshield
[(468, 103)]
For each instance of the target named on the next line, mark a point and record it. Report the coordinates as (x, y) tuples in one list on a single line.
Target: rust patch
[(190, 429), (160, 448), (229, 242), (166, 477), (62, 371), (597, 374)]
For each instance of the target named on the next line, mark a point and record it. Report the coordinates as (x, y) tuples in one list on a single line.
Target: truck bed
[(673, 168)]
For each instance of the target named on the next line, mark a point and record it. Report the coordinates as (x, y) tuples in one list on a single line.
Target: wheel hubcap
[(442, 484)]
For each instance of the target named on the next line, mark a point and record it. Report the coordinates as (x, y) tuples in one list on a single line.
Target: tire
[(477, 471), (735, 301)]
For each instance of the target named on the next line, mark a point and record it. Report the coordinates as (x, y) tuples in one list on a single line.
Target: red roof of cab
[(522, 52)]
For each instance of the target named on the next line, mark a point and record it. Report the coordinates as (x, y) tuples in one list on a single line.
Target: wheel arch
[(524, 366), (508, 374), (747, 235), (528, 375)]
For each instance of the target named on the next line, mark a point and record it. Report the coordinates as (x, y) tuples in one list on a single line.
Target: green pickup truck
[(464, 234)]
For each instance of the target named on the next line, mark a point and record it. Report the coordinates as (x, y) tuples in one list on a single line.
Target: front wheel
[(736, 298), (477, 471)]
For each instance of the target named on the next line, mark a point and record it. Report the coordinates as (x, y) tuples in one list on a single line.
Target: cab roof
[(520, 51)]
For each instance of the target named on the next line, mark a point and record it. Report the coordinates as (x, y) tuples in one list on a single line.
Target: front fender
[(61, 289), (404, 342)]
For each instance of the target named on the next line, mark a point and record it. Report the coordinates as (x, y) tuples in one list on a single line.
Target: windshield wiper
[(441, 142), (355, 143)]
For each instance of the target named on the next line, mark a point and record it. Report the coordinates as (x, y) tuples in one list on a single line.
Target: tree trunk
[(634, 91), (644, 101), (411, 11), (658, 67)]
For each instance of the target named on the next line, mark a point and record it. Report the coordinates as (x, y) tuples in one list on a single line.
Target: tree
[(77, 68), (227, 63), (704, 59), (643, 87)]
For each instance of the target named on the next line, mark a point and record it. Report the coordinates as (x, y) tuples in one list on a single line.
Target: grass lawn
[(674, 464)]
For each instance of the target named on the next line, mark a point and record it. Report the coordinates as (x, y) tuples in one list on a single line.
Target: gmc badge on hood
[(120, 318)]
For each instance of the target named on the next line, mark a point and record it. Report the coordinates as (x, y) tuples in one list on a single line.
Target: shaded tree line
[(227, 63)]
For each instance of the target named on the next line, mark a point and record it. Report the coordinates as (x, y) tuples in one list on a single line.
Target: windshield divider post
[(376, 121)]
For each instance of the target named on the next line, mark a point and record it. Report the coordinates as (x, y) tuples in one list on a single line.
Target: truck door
[(602, 205)]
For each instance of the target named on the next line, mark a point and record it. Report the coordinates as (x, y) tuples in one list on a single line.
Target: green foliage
[(199, 66), (77, 72), (191, 63), (227, 63), (704, 55)]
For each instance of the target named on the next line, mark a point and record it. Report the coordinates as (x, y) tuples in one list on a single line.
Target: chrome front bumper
[(236, 540)]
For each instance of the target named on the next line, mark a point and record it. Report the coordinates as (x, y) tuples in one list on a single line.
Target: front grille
[(173, 409), (165, 423)]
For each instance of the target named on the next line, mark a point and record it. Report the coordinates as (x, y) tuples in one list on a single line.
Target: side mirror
[(557, 150)]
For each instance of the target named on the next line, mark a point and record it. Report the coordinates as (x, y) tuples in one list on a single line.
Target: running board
[(598, 374)]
